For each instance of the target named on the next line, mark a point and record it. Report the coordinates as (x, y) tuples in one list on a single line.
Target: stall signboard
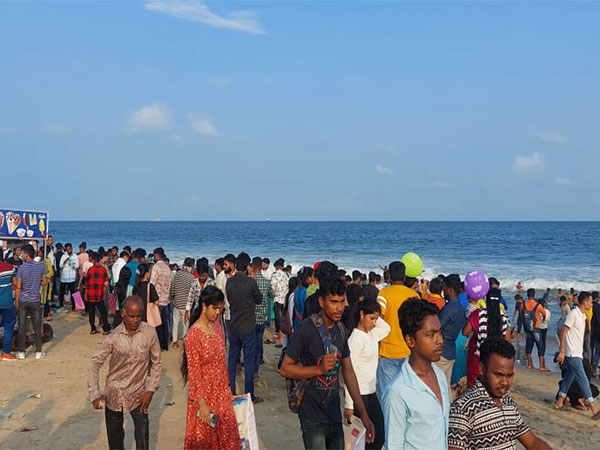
[(15, 224)]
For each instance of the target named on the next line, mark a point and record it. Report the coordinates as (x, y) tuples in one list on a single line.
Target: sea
[(537, 254)]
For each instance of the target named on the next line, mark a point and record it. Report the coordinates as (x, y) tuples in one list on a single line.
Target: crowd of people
[(425, 364)]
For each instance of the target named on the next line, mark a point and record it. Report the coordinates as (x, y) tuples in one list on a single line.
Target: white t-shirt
[(364, 354), (574, 338)]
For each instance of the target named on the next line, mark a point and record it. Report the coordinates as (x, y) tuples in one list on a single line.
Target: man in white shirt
[(280, 287), (571, 354), (267, 271), (68, 274), (118, 265)]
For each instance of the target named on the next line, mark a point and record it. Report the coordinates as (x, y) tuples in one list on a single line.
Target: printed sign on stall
[(23, 224)]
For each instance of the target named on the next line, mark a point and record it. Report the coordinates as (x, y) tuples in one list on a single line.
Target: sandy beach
[(63, 418)]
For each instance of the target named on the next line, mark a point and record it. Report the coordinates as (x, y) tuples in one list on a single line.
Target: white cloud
[(384, 170), (149, 118), (203, 126), (197, 11), (58, 130), (563, 181), (553, 138), (441, 184), (535, 161)]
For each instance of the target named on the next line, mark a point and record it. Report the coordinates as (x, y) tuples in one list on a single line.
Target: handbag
[(152, 311)]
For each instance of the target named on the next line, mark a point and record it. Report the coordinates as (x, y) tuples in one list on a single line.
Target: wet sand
[(65, 418)]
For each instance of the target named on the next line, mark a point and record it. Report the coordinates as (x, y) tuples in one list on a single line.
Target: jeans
[(387, 368), (376, 415), (116, 434), (574, 371), (163, 329), (237, 342), (542, 348), (9, 319), (259, 331), (35, 310), (322, 436), (91, 309), (179, 317), (71, 287), (530, 338)]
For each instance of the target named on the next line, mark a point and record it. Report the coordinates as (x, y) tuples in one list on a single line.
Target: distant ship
[(155, 220)]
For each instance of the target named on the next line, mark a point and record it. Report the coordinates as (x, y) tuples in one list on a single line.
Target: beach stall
[(27, 226)]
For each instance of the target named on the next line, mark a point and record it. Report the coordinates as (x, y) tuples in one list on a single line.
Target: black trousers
[(116, 433), (278, 315), (376, 415), (35, 310), (72, 287), (91, 307)]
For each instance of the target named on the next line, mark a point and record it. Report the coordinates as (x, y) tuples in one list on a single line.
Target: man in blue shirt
[(31, 276), (416, 404), (7, 308), (452, 320)]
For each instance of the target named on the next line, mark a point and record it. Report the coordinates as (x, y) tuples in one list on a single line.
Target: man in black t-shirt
[(371, 291), (355, 292), (321, 359)]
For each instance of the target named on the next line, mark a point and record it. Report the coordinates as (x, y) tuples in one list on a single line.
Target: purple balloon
[(476, 285)]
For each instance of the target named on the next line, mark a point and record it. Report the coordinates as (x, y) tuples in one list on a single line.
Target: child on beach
[(369, 329)]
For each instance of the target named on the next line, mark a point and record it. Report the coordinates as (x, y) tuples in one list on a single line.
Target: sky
[(281, 110)]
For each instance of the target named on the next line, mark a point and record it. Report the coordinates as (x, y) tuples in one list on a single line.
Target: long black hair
[(303, 274), (494, 315), (141, 271), (367, 306), (211, 295)]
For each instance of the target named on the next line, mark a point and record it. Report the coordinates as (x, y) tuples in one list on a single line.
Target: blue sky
[(301, 110)]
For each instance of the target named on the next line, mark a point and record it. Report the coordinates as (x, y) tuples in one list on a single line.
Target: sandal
[(596, 416), (94, 332)]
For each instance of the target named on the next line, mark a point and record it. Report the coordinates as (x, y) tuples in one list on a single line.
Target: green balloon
[(413, 264)]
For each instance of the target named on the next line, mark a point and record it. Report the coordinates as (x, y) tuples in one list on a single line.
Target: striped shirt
[(477, 423), (264, 286), (180, 288), (31, 273)]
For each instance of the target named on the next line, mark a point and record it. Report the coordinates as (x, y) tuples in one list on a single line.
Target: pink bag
[(79, 306), (111, 302)]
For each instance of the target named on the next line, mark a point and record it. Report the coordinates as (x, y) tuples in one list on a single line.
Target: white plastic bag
[(354, 434), (244, 413)]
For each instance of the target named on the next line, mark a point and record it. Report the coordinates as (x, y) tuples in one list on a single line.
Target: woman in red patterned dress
[(205, 368)]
